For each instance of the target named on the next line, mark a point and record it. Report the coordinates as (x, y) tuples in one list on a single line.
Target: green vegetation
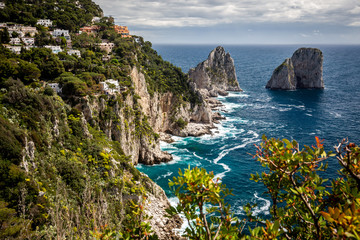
[(201, 201), (304, 205), (63, 170), (66, 14)]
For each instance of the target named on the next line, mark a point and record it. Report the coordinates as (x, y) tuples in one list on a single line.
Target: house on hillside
[(89, 29), (96, 19), (110, 86), (123, 31), (14, 49), (45, 22), (54, 49), (15, 28), (28, 41), (26, 30), (74, 52), (106, 46), (2, 5), (61, 33), (15, 41)]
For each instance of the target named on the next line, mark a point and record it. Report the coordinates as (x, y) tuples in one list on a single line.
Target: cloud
[(354, 24), (183, 13)]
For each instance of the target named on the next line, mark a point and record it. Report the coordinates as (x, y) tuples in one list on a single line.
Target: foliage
[(201, 201), (181, 123), (303, 206), (66, 14)]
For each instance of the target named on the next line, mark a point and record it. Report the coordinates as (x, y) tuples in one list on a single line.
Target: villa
[(106, 46), (29, 30), (14, 49), (15, 41), (110, 86), (89, 29), (28, 41), (123, 31), (45, 22), (61, 33), (74, 52), (54, 49)]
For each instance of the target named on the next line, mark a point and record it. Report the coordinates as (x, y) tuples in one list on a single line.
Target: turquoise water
[(331, 114)]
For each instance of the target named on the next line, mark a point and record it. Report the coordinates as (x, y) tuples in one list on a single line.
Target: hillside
[(67, 14), (73, 128)]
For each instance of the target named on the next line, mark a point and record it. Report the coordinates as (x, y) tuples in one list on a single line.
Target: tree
[(303, 205), (4, 36), (201, 200)]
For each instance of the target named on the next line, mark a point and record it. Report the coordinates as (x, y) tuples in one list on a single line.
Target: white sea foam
[(335, 114), (168, 174), (261, 208), (225, 152), (238, 94)]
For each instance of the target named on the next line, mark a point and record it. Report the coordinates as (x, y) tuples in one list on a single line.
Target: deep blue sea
[(331, 114)]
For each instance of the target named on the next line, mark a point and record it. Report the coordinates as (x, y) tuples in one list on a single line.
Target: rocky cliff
[(303, 70), (216, 75)]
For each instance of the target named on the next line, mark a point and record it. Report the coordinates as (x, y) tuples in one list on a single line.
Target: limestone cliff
[(303, 70), (216, 75)]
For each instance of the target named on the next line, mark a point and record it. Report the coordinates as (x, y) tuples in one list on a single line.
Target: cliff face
[(303, 70), (216, 74)]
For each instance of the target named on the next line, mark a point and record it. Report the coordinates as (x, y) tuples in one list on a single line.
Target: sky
[(239, 21)]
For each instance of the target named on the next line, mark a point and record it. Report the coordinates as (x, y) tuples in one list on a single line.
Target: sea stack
[(216, 75), (303, 70)]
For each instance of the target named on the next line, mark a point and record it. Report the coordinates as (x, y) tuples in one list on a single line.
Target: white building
[(29, 30), (28, 41), (15, 41), (14, 49), (95, 20), (55, 87), (106, 46), (45, 22), (74, 52), (2, 5), (61, 33), (54, 49), (110, 86)]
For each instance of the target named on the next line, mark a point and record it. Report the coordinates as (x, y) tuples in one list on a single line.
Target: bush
[(48, 91)]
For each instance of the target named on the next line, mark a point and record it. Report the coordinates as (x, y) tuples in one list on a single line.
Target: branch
[(307, 204), (203, 216)]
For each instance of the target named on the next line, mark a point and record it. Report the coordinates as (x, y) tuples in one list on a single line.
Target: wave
[(237, 94), (168, 174), (225, 152), (263, 208)]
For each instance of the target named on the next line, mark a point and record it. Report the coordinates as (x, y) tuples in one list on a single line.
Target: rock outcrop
[(303, 70), (216, 75)]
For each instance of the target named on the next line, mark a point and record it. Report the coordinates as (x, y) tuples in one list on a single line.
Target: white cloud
[(180, 13), (354, 24)]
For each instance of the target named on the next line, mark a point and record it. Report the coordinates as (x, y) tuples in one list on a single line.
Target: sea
[(330, 114)]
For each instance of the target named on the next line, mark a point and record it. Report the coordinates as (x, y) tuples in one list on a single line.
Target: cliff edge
[(303, 70), (216, 75)]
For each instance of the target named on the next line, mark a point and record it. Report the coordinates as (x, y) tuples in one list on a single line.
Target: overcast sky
[(239, 21)]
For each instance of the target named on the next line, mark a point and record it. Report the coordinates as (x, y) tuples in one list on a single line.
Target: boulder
[(303, 70)]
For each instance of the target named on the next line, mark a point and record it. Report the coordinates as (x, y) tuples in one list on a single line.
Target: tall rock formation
[(216, 74), (303, 70)]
